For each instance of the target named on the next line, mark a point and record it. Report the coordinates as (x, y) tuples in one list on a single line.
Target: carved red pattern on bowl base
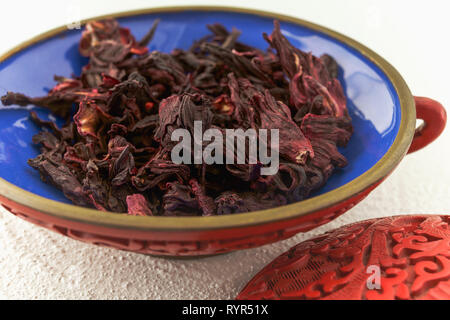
[(189, 244)]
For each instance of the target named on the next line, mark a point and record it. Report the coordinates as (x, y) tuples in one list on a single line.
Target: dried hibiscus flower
[(114, 152)]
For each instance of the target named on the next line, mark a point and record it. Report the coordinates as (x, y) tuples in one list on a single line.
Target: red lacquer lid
[(403, 257)]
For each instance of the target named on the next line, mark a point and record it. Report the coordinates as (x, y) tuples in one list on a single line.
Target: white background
[(412, 35)]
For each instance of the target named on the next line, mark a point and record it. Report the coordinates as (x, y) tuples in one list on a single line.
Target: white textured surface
[(412, 35)]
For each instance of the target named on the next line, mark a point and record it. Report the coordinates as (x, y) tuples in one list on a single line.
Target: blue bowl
[(373, 102), (379, 102)]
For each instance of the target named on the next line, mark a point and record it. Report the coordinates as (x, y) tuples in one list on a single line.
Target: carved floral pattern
[(411, 252)]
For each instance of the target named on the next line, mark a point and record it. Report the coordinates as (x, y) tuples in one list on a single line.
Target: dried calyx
[(113, 154)]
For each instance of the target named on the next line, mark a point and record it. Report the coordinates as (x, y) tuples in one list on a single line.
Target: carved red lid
[(403, 257)]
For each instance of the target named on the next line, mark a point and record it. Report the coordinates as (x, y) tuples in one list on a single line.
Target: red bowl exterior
[(189, 243)]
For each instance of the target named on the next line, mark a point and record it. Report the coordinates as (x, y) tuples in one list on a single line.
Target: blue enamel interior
[(372, 100)]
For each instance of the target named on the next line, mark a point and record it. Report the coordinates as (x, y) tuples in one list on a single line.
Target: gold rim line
[(109, 219)]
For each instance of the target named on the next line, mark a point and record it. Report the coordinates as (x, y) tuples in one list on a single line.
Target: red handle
[(434, 119)]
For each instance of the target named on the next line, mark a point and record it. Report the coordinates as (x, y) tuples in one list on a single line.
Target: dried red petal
[(205, 203), (179, 201), (224, 105), (108, 81), (116, 153), (88, 119), (336, 129), (66, 85), (138, 205), (127, 38)]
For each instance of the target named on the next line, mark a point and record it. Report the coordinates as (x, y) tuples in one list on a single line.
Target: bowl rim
[(192, 224)]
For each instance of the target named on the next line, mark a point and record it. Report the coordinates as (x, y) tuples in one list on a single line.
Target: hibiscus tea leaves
[(114, 151)]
